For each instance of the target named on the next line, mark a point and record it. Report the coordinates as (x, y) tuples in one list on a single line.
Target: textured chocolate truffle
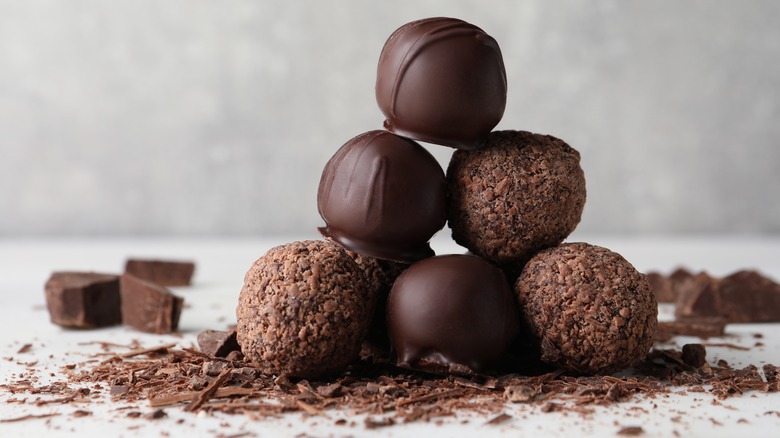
[(304, 310), (521, 193), (441, 80), (383, 196), (587, 307), (380, 275), (451, 313)]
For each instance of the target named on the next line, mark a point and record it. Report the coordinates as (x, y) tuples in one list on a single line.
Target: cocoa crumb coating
[(304, 310), (520, 193), (589, 310), (380, 275)]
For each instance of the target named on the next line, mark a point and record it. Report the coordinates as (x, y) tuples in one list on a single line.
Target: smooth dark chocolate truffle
[(83, 299), (587, 308), (383, 196), (304, 310), (521, 193), (451, 313), (441, 80)]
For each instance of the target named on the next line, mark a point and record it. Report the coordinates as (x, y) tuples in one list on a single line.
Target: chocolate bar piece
[(149, 307), (83, 299), (661, 286), (748, 296), (701, 327), (162, 272), (667, 288), (218, 343), (744, 296)]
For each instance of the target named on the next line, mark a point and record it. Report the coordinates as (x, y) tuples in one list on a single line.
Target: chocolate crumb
[(25, 349), (218, 343), (694, 355), (498, 419), (373, 423), (631, 431), (155, 415)]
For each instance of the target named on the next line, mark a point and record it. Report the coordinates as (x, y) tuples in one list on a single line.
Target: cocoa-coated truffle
[(451, 313), (441, 80), (380, 275), (304, 310), (521, 193), (587, 308), (383, 196)]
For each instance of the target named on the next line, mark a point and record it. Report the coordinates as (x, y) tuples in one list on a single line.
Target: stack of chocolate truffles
[(510, 197)]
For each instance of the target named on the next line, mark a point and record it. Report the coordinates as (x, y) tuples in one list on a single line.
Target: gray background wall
[(216, 117)]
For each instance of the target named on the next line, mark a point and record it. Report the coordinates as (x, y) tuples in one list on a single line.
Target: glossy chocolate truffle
[(587, 308), (441, 80), (451, 313), (521, 193), (304, 310), (383, 196)]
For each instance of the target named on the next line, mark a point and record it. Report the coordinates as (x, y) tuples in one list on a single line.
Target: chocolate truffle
[(304, 310), (441, 80), (521, 193), (380, 275), (383, 196), (451, 313), (587, 308)]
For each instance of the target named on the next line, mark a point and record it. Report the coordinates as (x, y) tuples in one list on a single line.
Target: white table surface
[(221, 263)]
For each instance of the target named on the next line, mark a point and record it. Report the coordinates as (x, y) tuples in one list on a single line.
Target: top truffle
[(441, 80)]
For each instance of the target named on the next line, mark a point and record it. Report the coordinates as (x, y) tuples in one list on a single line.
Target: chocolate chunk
[(162, 272), (742, 297), (149, 307), (748, 296), (703, 300), (453, 313), (218, 343), (661, 286), (383, 196), (694, 355), (701, 327), (441, 80), (83, 299)]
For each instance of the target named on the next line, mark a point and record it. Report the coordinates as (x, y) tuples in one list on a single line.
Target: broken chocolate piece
[(701, 327), (661, 286), (218, 343), (162, 272), (700, 301), (694, 355), (149, 307), (744, 296), (748, 296), (83, 299)]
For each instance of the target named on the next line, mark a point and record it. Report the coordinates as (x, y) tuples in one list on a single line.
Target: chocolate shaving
[(498, 419), (206, 394), (27, 417), (631, 431)]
